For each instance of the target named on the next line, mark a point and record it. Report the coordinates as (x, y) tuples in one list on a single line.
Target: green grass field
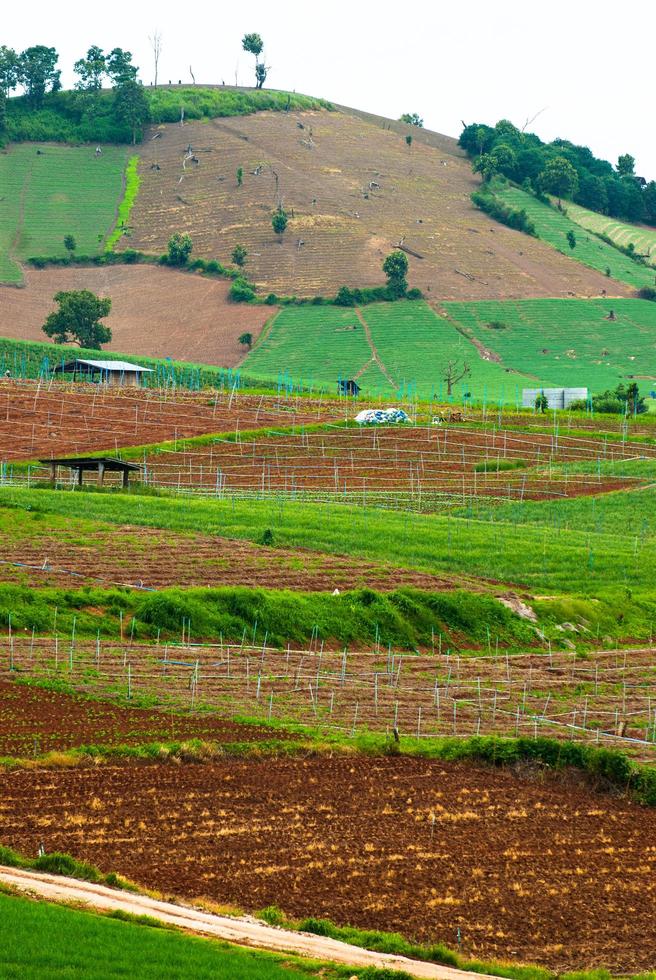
[(552, 227), (61, 190), (42, 940), (320, 344), (315, 344), (642, 237), (569, 341), (415, 345)]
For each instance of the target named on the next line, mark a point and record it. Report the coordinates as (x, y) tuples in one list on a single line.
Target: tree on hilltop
[(395, 268), (78, 319), (9, 69), (131, 106), (626, 165), (120, 68), (412, 118), (254, 44), (90, 70), (37, 71)]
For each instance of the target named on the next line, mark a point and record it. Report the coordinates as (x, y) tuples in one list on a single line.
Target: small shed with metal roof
[(113, 373)]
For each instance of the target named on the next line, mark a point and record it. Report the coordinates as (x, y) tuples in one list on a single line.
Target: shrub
[(512, 217), (414, 293), (241, 291), (345, 297), (271, 299), (647, 292), (64, 864)]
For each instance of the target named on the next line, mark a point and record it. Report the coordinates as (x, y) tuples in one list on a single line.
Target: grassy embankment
[(412, 341)]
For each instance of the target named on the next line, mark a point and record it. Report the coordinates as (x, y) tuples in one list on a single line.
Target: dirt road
[(242, 931)]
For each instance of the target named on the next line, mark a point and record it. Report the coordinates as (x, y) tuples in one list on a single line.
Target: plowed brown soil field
[(352, 189), (34, 720), (155, 312), (531, 868), (59, 419)]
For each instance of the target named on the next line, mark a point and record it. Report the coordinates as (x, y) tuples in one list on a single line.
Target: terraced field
[(426, 466), (641, 237), (35, 721), (353, 189), (50, 191), (155, 312), (572, 342), (84, 553), (552, 226), (83, 418)]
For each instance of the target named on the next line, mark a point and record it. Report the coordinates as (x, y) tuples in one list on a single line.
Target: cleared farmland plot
[(642, 237), (552, 226), (352, 189), (570, 341), (525, 869), (55, 191), (423, 467)]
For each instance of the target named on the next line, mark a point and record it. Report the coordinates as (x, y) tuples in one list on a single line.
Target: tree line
[(93, 113), (124, 110), (561, 168)]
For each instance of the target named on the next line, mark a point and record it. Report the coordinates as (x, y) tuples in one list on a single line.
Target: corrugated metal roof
[(112, 365)]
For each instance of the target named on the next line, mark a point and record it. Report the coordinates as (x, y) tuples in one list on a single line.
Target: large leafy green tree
[(131, 106), (37, 72), (9, 69), (254, 44), (626, 165), (395, 268), (78, 319), (560, 178), (120, 68), (90, 70)]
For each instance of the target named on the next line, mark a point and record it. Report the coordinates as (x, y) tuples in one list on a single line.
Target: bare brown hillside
[(354, 188), (155, 312)]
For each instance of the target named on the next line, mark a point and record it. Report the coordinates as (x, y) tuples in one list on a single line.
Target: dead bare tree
[(193, 77), (453, 374), (156, 44)]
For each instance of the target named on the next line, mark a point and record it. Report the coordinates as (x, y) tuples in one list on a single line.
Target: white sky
[(587, 63)]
